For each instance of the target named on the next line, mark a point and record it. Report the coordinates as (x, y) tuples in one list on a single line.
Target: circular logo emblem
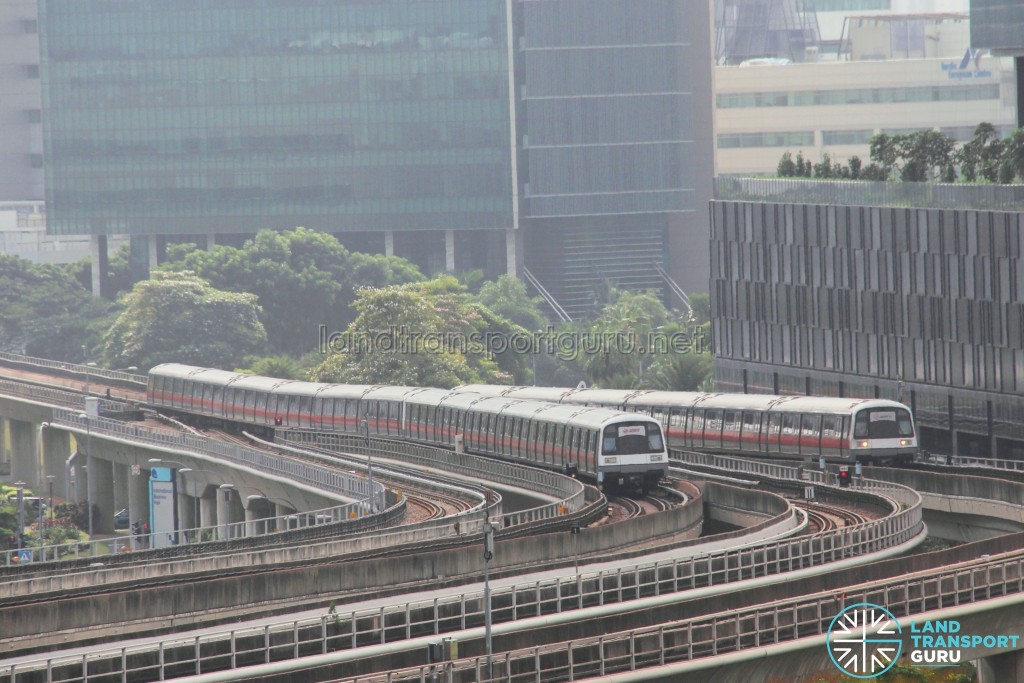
[(864, 640)]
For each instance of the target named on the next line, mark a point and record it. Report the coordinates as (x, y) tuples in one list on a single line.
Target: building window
[(34, 115), (30, 26), (32, 71), (35, 160)]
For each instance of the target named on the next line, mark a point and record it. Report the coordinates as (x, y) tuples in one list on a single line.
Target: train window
[(217, 393), (713, 421), (751, 423), (250, 403), (882, 423), (675, 418), (810, 425), (654, 440), (697, 423), (732, 421), (831, 431), (790, 425), (629, 438), (305, 408)]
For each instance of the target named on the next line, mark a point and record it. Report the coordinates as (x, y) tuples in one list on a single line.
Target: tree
[(45, 312), (786, 167), (420, 334), (689, 370), (1013, 156), (283, 367), (179, 317), (615, 346), (981, 155), (507, 296), (303, 278)]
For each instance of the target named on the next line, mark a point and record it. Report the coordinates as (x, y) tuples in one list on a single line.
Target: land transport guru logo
[(865, 641)]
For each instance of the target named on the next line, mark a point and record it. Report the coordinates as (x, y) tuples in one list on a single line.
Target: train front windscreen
[(883, 423), (632, 438)]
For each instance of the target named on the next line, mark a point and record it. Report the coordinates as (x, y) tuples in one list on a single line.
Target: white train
[(616, 448), (839, 429)]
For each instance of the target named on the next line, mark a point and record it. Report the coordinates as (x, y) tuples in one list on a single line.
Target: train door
[(713, 429), (731, 423), (810, 435), (750, 433), (696, 430), (773, 438), (789, 439), (831, 435)]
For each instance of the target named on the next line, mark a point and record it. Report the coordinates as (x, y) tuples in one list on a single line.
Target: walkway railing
[(77, 368), (345, 630), (712, 635)]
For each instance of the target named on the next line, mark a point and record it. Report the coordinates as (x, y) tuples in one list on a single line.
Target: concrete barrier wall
[(211, 597)]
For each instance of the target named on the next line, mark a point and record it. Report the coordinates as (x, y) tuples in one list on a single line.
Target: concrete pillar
[(78, 488), (207, 511), (225, 517), (122, 480), (101, 483), (138, 501), (56, 449), (185, 509), (253, 516), (25, 453), (211, 241), (511, 256), (389, 242), (98, 254), (5, 446), (449, 250), (1007, 667)]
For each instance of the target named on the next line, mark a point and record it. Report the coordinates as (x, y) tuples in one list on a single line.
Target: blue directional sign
[(24, 556)]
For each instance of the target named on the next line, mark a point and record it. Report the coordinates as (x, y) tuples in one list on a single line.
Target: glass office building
[(377, 120), (918, 305), (201, 116), (998, 25)]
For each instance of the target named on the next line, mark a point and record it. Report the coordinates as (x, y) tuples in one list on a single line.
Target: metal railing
[(711, 635), (870, 193), (969, 461), (77, 368), (352, 629), (571, 494), (54, 397)]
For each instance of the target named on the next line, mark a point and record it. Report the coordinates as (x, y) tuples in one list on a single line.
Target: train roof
[(195, 373), (683, 399)]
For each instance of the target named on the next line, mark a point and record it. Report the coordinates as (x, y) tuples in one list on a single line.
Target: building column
[(5, 450), (389, 242), (511, 256), (207, 510), (449, 250), (98, 254), (79, 479), (24, 453), (225, 512), (122, 480), (138, 499), (1005, 667), (101, 484), (56, 449)]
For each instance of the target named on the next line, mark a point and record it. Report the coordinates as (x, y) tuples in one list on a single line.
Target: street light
[(42, 517), (87, 366)]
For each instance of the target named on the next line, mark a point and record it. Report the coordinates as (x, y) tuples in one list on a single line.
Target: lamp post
[(488, 554), (42, 517)]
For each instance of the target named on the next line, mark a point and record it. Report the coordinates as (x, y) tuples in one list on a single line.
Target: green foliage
[(179, 317), (686, 371), (303, 279), (507, 296), (786, 167), (283, 367), (422, 334), (45, 312), (700, 307)]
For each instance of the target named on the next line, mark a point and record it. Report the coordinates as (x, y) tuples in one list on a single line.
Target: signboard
[(883, 415), (633, 431), (136, 470), (162, 500), (92, 407), (24, 556)]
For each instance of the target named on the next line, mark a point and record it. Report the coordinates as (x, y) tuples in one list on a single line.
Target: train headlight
[(657, 457), (610, 460), (904, 442), (863, 444)]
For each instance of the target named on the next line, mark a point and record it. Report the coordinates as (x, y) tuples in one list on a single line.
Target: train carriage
[(838, 429), (617, 448)]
